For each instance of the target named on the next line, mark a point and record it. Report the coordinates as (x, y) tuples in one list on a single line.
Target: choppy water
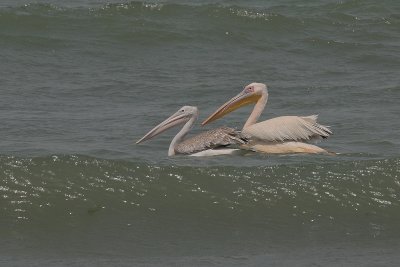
[(82, 81)]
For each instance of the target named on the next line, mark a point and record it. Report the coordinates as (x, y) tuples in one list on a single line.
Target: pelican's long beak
[(172, 121), (236, 102)]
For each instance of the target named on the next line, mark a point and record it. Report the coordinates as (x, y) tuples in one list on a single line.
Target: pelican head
[(183, 115), (250, 94)]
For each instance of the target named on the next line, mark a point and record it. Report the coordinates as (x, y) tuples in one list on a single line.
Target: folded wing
[(212, 139), (288, 128)]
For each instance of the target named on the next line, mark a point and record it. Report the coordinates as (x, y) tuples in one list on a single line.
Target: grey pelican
[(286, 134), (210, 143)]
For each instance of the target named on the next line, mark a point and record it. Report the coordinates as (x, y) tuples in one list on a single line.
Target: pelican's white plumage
[(286, 134), (285, 128)]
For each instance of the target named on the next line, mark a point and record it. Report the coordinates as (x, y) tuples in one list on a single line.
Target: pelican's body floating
[(286, 134), (207, 143)]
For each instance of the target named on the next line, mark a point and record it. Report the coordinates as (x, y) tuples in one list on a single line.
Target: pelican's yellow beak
[(242, 99)]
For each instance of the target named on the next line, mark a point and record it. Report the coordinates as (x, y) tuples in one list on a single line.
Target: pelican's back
[(288, 128), (212, 139)]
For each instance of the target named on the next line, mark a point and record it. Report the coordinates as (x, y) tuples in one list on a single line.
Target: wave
[(56, 26), (341, 13), (61, 186)]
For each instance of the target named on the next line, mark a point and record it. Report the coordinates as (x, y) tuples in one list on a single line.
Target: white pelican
[(286, 134), (210, 143)]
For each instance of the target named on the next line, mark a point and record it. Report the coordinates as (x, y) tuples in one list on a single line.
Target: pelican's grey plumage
[(286, 134), (204, 144)]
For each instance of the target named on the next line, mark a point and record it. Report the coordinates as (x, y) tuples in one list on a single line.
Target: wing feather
[(212, 139), (288, 128)]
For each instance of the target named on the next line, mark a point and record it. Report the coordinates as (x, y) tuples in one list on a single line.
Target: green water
[(82, 81)]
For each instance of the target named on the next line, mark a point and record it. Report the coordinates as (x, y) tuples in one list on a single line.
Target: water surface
[(82, 81)]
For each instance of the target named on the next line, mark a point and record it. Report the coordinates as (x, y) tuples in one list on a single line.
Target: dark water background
[(81, 81)]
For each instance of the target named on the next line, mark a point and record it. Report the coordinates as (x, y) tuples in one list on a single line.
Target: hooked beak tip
[(206, 121)]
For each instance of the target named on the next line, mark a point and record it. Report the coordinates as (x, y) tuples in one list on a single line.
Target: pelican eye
[(249, 90)]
